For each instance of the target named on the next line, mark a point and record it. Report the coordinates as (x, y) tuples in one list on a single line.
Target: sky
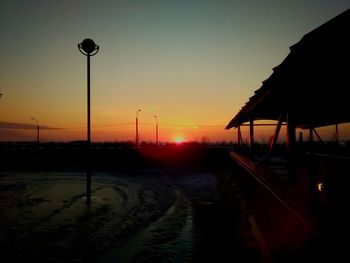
[(193, 64)]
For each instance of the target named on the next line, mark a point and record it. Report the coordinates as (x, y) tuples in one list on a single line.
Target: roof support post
[(336, 134), (301, 138), (291, 148), (251, 133), (239, 138), (274, 138), (312, 166)]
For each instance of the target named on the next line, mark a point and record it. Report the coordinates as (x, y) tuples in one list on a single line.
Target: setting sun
[(179, 139)]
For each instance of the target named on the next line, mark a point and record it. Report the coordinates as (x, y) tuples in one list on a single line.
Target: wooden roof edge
[(265, 89), (328, 26)]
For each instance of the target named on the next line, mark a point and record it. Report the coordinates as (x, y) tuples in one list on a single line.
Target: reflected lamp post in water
[(88, 48), (155, 116), (37, 129), (137, 127)]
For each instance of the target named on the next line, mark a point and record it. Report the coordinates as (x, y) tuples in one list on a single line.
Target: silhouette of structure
[(155, 116), (37, 129), (88, 48), (307, 90), (137, 128)]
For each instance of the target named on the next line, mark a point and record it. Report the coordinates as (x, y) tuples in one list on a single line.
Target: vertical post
[(156, 133), (88, 171), (239, 138), (312, 166), (88, 48), (38, 133), (37, 130), (88, 101), (137, 131), (336, 134), (291, 148), (301, 138), (155, 117), (251, 133)]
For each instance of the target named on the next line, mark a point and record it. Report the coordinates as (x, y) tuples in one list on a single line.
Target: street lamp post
[(37, 129), (88, 48), (155, 116), (137, 127)]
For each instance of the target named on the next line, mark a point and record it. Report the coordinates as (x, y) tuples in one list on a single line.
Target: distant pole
[(155, 116), (336, 134), (88, 48), (137, 127), (37, 130)]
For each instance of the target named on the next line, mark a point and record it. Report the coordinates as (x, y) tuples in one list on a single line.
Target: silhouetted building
[(309, 88)]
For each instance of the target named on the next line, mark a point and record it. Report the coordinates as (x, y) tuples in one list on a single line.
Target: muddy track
[(149, 217)]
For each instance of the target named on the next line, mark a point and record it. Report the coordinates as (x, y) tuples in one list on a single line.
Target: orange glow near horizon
[(179, 139), (168, 132)]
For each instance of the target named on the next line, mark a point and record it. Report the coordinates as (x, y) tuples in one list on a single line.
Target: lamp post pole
[(137, 128), (37, 130), (155, 116), (88, 48)]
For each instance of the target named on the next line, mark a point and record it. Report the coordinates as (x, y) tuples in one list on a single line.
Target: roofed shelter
[(309, 88)]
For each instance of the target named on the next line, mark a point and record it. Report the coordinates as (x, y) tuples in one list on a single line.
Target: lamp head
[(88, 45)]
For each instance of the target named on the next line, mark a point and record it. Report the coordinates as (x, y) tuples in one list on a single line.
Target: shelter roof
[(311, 83)]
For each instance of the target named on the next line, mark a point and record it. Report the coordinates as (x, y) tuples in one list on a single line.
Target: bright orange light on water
[(179, 139)]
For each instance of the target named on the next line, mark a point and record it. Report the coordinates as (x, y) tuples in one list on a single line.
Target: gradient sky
[(192, 63)]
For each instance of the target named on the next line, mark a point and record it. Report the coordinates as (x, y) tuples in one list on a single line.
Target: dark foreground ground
[(150, 205), (154, 204)]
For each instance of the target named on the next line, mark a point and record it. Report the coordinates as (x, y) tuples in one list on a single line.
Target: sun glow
[(179, 139)]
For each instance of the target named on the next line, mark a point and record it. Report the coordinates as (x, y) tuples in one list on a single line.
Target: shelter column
[(312, 166), (291, 148), (239, 138), (336, 134), (251, 133)]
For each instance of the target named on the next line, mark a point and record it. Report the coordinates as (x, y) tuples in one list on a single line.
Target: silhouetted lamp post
[(37, 129), (88, 48), (155, 116), (137, 127)]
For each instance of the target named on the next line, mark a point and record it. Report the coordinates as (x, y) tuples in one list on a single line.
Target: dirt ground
[(141, 216)]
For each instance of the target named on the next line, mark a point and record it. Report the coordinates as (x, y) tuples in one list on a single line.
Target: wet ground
[(141, 216)]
